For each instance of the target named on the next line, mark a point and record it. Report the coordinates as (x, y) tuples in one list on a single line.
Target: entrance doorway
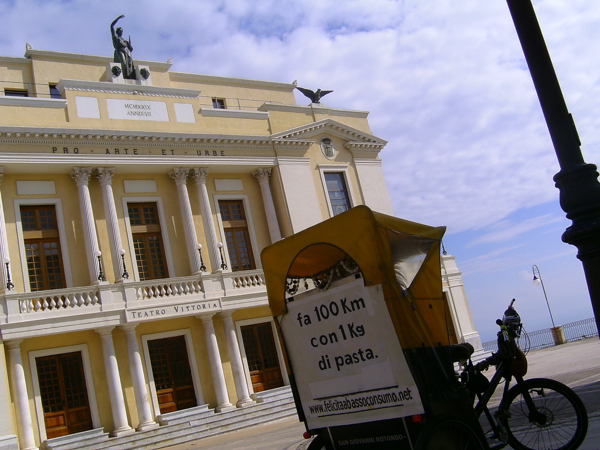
[(64, 394), (261, 354), (172, 374)]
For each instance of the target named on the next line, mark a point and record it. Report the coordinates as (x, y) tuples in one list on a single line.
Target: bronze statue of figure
[(123, 50)]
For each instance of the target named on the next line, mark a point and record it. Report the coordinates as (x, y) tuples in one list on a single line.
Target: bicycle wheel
[(445, 432), (562, 421)]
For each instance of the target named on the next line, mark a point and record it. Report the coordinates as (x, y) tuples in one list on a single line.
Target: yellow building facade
[(132, 217)]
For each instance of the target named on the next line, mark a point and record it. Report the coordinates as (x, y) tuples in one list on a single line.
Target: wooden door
[(261, 354), (64, 394), (172, 374)]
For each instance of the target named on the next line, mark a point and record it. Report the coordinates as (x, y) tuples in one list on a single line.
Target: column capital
[(227, 314), (200, 174), (179, 175), (81, 175), (205, 318), (262, 175), (105, 175), (128, 327), (13, 344), (104, 331)]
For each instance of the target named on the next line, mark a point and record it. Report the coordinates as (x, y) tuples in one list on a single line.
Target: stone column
[(459, 304), (200, 174), (236, 362), (263, 176), (179, 176), (20, 396), (81, 176), (216, 369), (105, 176), (4, 256), (142, 400), (115, 392)]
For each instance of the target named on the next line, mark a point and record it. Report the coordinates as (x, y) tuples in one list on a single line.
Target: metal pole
[(539, 276), (577, 181)]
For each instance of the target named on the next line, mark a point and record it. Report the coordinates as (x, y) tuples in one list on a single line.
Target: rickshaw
[(359, 309)]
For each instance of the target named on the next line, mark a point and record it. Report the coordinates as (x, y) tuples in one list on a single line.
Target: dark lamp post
[(537, 279), (125, 274), (577, 181), (223, 265), (202, 266), (9, 284)]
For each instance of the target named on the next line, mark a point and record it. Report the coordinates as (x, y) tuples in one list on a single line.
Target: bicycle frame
[(502, 371)]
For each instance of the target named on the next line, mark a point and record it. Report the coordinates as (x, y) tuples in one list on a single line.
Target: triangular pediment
[(352, 135)]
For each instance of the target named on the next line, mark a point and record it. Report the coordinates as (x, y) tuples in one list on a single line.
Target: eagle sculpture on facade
[(315, 97)]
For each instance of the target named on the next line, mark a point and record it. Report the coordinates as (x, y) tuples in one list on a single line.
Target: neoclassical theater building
[(132, 217)]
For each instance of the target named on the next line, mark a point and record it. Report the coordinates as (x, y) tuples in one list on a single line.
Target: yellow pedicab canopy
[(403, 256)]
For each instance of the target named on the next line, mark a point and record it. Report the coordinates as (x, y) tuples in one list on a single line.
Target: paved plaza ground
[(576, 364)]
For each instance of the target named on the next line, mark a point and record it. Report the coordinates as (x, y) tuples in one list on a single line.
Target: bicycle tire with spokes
[(564, 413)]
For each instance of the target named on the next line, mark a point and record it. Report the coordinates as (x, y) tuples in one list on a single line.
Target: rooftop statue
[(123, 50), (315, 97)]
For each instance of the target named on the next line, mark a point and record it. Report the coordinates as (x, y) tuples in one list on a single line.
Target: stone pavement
[(576, 364)]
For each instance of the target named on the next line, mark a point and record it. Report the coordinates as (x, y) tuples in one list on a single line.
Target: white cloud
[(508, 231), (445, 82)]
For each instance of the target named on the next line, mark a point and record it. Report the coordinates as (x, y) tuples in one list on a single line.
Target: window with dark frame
[(16, 93), (147, 241), (237, 237), (54, 92), (218, 103), (338, 192), (42, 247)]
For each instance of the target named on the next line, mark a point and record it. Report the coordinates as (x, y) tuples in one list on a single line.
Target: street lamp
[(537, 279)]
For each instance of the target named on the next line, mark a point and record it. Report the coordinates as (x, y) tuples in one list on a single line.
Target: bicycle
[(534, 414)]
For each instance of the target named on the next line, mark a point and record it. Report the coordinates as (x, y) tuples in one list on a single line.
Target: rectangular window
[(338, 192), (147, 241), (42, 247), (237, 238), (54, 92), (218, 103), (16, 92)]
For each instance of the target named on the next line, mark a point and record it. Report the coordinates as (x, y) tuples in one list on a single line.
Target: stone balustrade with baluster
[(56, 304)]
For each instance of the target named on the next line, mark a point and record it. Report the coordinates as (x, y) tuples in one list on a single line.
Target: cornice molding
[(367, 162), (11, 59), (168, 163), (269, 106), (73, 136), (6, 100), (356, 137), (132, 89), (293, 161), (364, 146), (296, 144), (101, 60), (234, 113), (227, 81)]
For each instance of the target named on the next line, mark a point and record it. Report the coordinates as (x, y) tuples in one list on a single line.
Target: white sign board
[(346, 358), (137, 110)]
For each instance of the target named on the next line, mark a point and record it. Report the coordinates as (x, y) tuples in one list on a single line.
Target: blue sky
[(446, 85)]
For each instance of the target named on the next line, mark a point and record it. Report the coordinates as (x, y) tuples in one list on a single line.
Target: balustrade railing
[(248, 279), (37, 305), (168, 287), (52, 300), (539, 339)]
